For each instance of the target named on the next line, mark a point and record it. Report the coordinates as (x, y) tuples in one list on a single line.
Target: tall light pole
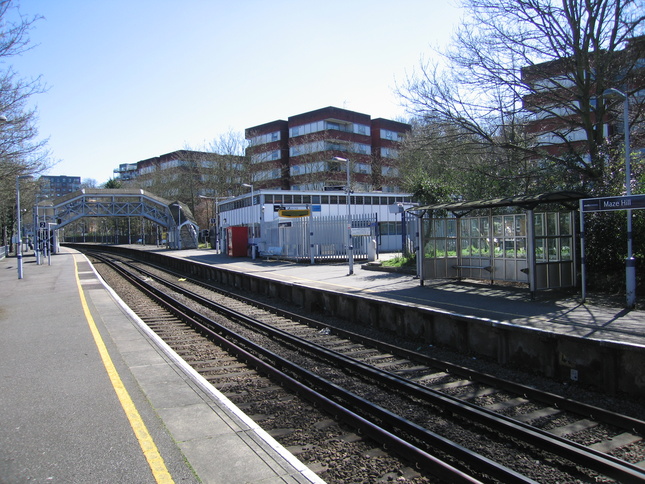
[(630, 262), (348, 191), (18, 218), (251, 209)]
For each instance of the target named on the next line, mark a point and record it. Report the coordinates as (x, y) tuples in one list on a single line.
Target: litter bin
[(371, 250)]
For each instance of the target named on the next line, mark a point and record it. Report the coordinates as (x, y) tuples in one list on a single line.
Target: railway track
[(446, 422)]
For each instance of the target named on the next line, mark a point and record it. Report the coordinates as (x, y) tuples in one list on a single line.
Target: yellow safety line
[(155, 461)]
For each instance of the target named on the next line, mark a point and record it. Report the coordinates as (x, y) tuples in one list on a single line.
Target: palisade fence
[(326, 235)]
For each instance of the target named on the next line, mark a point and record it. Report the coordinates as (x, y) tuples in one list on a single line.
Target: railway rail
[(450, 423)]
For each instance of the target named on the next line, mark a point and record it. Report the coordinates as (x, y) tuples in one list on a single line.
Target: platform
[(90, 395), (599, 318)]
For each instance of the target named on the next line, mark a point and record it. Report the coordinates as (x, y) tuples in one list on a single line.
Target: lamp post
[(251, 209), (630, 262), (348, 191)]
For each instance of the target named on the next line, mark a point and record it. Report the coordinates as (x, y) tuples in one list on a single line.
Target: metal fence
[(318, 238)]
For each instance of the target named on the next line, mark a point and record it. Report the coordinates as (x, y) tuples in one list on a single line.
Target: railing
[(323, 238)]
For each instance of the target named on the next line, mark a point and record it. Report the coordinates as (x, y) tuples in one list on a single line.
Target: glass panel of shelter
[(505, 234), (553, 237)]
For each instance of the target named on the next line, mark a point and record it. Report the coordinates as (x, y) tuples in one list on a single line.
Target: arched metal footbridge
[(175, 217)]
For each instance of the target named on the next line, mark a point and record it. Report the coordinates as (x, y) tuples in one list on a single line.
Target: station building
[(305, 224)]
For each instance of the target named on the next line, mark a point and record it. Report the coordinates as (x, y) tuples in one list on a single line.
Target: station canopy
[(569, 199)]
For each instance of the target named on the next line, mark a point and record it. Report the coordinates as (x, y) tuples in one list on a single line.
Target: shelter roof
[(524, 201)]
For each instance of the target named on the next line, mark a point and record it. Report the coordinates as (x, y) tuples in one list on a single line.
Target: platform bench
[(486, 268), (271, 252)]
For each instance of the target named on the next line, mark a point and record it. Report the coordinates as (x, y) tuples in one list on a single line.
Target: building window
[(389, 153), (391, 135), (264, 138)]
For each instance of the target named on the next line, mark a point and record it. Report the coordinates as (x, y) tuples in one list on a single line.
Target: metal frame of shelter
[(568, 199), (122, 203)]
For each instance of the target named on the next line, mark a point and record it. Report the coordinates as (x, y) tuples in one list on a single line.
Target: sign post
[(606, 204)]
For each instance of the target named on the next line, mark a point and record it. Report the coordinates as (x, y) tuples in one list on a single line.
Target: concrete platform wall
[(610, 366)]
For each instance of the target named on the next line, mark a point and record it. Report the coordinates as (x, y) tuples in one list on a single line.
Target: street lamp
[(251, 209), (348, 191), (630, 262)]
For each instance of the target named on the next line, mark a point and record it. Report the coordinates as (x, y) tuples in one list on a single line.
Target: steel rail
[(562, 403)]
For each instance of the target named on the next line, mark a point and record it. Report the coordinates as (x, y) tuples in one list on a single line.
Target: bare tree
[(513, 62), (189, 175), (21, 153), (225, 173), (90, 183)]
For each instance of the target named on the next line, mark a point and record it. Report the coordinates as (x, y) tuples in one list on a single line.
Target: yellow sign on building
[(305, 212)]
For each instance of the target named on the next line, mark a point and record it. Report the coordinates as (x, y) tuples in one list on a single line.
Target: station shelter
[(522, 239), (311, 225)]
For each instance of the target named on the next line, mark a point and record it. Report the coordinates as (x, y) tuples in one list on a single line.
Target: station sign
[(361, 232), (632, 202), (295, 213)]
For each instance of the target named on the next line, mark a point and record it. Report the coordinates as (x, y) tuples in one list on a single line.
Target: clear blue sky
[(133, 79)]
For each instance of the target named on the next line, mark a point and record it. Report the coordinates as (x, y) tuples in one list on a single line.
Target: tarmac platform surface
[(69, 350)]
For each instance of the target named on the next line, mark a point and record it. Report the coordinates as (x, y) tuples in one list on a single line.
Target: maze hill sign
[(613, 203)]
